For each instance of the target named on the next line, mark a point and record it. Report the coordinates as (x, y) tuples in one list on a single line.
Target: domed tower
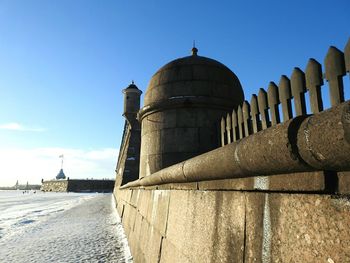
[(183, 102), (131, 102)]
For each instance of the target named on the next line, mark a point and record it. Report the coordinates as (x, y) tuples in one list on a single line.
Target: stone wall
[(184, 223), (78, 185), (54, 186)]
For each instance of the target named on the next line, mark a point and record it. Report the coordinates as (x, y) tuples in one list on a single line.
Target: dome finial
[(132, 82), (194, 49)]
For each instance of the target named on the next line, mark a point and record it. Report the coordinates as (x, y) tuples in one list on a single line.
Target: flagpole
[(61, 156)]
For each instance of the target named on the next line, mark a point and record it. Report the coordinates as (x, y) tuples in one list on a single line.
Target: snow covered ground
[(60, 227)]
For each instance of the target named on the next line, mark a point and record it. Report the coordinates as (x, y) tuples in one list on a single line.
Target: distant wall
[(54, 186), (78, 185)]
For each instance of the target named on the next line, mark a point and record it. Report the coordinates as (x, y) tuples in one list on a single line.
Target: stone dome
[(195, 76), (183, 104)]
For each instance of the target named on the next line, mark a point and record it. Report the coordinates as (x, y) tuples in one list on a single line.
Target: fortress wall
[(77, 185), (54, 186), (184, 223)]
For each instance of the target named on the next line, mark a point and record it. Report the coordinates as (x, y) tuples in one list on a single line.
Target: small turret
[(131, 102)]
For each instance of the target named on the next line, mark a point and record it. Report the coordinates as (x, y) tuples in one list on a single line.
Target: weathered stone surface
[(121, 210), (129, 219), (170, 254), (159, 120), (175, 186), (171, 137), (185, 186), (127, 193), (152, 142), (296, 228), (135, 235), (323, 140), (309, 228), (135, 197), (253, 228), (157, 214), (205, 220), (55, 186), (344, 182), (311, 181), (149, 244), (225, 226), (227, 184), (144, 202), (154, 241)]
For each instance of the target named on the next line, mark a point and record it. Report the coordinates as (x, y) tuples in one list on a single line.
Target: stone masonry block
[(297, 228), (120, 208), (187, 136), (254, 226), (151, 164), (186, 118), (151, 142), (152, 254), (188, 88), (135, 197), (158, 120), (207, 226), (310, 181), (170, 254), (126, 195), (309, 228), (184, 186), (228, 184), (149, 244), (144, 238), (129, 219), (157, 214), (134, 236), (344, 182), (144, 202), (126, 219)]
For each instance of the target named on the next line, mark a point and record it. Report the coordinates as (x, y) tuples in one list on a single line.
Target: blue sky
[(64, 63)]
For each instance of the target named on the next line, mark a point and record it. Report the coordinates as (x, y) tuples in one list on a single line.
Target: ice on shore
[(61, 227)]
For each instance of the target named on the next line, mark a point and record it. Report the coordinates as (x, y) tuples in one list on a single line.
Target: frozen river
[(60, 227)]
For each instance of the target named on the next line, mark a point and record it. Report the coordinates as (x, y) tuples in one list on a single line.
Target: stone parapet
[(303, 144), (235, 226)]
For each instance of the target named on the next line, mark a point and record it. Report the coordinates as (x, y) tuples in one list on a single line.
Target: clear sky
[(64, 63)]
